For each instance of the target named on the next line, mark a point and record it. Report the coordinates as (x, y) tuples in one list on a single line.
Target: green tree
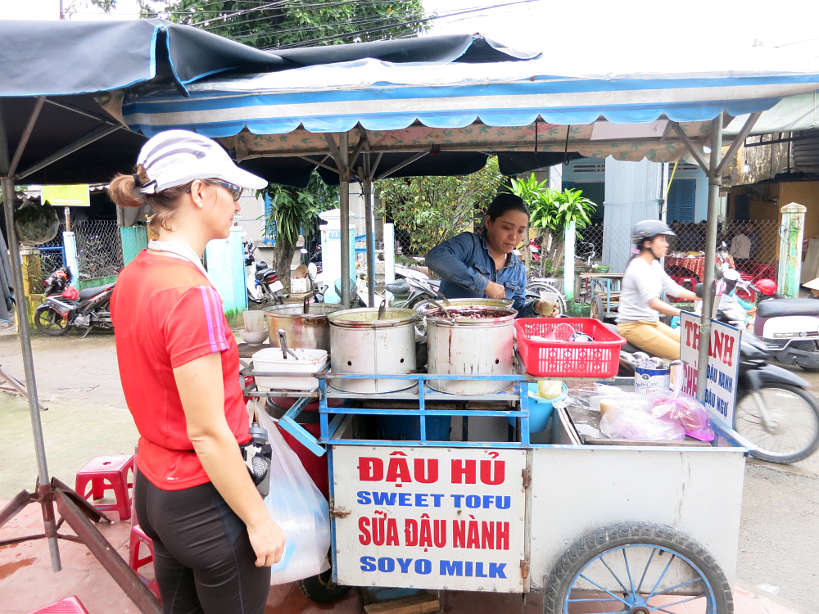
[(552, 211), (288, 23), (293, 212), (434, 209)]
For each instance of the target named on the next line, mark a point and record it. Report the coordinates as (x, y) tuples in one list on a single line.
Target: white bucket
[(297, 373)]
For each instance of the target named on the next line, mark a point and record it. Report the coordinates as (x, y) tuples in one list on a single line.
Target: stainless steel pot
[(364, 344), (471, 346), (309, 330)]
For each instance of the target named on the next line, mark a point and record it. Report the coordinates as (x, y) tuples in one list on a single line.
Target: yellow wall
[(805, 193)]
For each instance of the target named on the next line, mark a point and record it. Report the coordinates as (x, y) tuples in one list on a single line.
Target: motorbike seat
[(777, 307), (91, 292), (398, 287)]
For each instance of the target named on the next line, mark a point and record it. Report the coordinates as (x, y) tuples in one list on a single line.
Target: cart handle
[(298, 432)]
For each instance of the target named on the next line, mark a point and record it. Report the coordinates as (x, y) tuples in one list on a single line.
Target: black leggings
[(202, 555)]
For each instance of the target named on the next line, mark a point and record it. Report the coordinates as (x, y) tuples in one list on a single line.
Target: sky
[(656, 29)]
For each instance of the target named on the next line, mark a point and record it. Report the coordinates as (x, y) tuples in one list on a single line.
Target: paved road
[(78, 379)]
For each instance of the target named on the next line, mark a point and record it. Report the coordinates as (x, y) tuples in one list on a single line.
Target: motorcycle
[(262, 282), (775, 409), (65, 308), (789, 327)]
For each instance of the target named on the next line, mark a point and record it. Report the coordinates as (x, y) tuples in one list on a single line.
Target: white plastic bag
[(300, 510)]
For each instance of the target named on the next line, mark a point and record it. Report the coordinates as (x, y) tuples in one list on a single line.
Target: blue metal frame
[(331, 418)]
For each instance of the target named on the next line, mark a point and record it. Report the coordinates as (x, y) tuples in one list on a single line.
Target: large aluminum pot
[(471, 346), (364, 344), (309, 330)]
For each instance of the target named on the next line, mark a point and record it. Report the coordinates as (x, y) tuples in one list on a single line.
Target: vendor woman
[(483, 265)]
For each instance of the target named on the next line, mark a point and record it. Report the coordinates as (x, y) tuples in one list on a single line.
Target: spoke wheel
[(48, 321), (637, 568), (790, 429), (596, 309)]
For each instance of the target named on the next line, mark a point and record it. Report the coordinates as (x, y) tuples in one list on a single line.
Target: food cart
[(498, 507), (592, 525)]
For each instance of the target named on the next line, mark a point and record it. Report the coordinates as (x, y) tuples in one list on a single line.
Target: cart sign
[(723, 363), (441, 518), (66, 195)]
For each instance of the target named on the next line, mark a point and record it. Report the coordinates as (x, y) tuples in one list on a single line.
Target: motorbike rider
[(638, 318), (482, 264)]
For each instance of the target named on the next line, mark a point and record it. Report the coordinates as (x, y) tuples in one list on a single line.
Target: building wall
[(805, 193)]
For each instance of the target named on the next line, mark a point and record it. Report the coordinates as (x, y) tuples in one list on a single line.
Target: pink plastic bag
[(638, 425), (687, 412)]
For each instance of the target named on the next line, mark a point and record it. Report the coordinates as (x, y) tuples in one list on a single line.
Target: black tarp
[(73, 62)]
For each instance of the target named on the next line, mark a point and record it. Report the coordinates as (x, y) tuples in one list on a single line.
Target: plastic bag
[(300, 510), (688, 412), (638, 425)]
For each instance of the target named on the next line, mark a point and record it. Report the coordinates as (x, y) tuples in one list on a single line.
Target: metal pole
[(714, 181), (369, 205), (28, 359), (7, 183), (344, 204)]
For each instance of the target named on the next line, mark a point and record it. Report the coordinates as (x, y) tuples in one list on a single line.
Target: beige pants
[(654, 338)]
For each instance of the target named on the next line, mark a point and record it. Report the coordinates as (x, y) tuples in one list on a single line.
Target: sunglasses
[(235, 190)]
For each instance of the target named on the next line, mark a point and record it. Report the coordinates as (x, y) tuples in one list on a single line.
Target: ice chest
[(296, 373)]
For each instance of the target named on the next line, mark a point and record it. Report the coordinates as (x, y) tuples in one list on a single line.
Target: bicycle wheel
[(637, 568), (790, 429)]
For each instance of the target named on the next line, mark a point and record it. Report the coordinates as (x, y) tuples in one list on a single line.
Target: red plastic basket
[(598, 358)]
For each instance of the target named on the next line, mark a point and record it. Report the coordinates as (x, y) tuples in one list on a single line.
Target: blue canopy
[(625, 115)]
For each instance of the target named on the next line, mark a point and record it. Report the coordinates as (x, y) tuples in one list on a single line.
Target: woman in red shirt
[(214, 540)]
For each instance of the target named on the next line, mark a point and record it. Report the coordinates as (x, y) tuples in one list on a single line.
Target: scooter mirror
[(312, 271), (730, 275)]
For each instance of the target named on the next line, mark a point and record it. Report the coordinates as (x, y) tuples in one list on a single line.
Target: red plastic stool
[(69, 605), (135, 542), (113, 470)]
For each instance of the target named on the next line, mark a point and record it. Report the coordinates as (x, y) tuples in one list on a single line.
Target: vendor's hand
[(547, 308), (495, 290), (267, 540)]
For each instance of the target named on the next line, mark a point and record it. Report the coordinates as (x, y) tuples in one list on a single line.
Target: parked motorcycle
[(789, 327), (65, 308), (262, 282)]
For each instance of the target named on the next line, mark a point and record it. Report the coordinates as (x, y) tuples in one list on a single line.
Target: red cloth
[(696, 264), (165, 315)]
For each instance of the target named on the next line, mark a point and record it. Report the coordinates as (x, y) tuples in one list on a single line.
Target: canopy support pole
[(7, 168), (344, 205), (714, 182), (94, 135), (401, 165), (366, 173)]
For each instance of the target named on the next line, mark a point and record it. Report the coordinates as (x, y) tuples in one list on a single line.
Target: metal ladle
[(283, 344)]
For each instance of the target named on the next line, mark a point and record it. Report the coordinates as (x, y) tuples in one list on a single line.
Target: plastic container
[(297, 373), (540, 409), (553, 358)]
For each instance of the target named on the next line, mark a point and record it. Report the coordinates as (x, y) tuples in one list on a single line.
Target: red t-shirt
[(166, 314)]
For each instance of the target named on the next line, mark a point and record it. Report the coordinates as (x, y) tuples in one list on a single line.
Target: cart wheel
[(637, 568), (596, 310), (322, 589)]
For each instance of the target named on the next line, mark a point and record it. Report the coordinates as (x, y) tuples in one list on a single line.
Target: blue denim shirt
[(466, 268)]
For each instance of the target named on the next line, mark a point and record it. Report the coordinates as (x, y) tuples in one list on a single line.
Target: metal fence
[(52, 254), (99, 248)]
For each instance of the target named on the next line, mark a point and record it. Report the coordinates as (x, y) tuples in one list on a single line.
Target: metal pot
[(364, 344), (471, 346), (309, 330)]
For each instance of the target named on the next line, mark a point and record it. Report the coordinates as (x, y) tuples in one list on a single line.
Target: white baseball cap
[(177, 157)]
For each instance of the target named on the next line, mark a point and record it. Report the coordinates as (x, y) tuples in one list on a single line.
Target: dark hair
[(504, 202)]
